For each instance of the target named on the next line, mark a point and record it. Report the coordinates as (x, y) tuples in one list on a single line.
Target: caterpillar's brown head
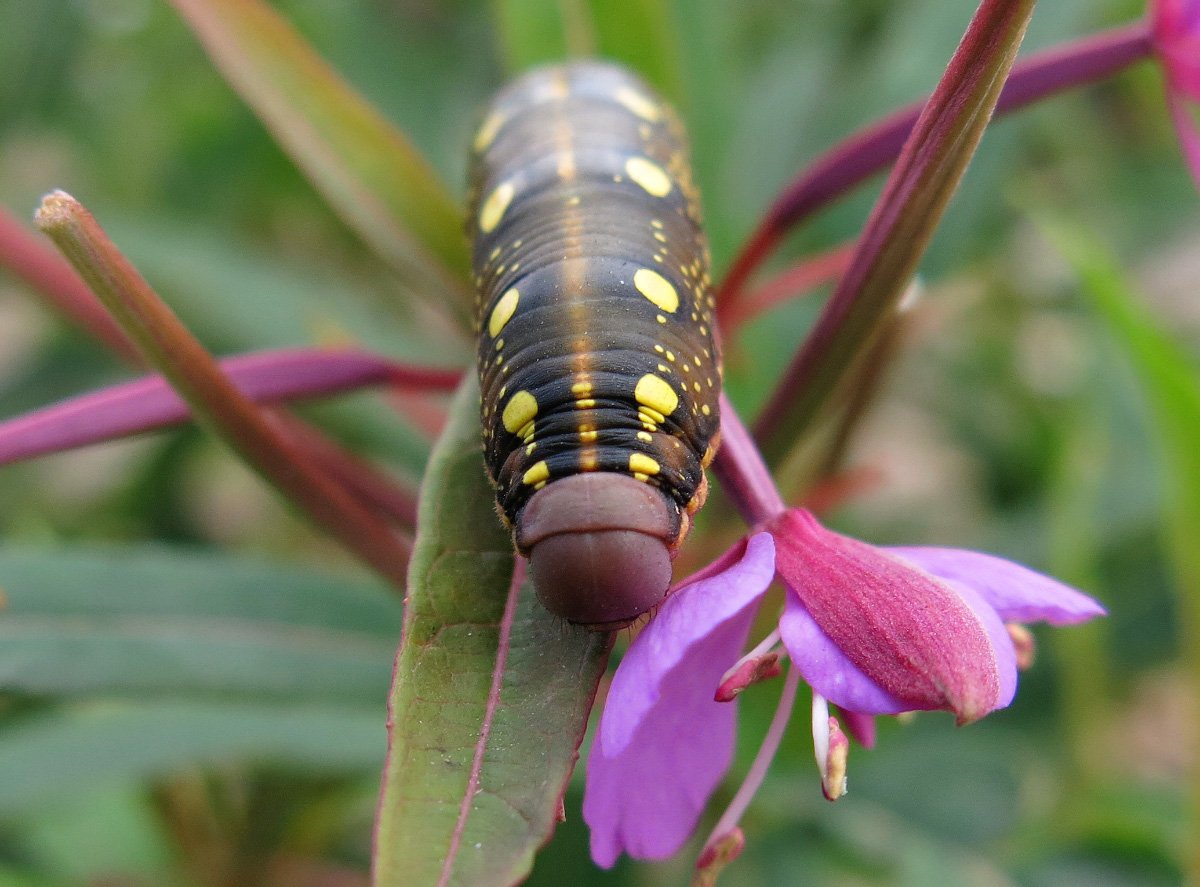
[(600, 546)]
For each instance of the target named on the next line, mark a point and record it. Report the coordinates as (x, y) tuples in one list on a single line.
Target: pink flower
[(873, 630), (1176, 27)]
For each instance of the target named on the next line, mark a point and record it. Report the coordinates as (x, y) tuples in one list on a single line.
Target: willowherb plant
[(492, 694)]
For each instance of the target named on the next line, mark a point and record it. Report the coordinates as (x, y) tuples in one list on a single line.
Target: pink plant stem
[(935, 155), (744, 476), (872, 149), (798, 280)]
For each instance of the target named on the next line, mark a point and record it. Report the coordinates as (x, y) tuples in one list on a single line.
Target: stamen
[(831, 748), (760, 664), (1024, 644), (728, 822), (716, 856)]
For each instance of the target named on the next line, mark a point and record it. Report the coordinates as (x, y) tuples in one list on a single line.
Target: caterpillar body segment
[(598, 367)]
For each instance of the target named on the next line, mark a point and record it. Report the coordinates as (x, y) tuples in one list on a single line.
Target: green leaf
[(367, 169), (637, 33), (474, 777), (64, 753), (642, 35), (1172, 387), (534, 32), (150, 620), (1169, 379)]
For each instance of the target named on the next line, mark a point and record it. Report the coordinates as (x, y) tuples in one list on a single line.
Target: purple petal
[(826, 668), (684, 624), (910, 634), (1017, 593), (663, 744)]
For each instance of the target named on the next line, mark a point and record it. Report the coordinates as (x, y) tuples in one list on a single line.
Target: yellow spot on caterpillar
[(494, 207), (671, 356), (499, 344), (638, 104), (581, 388), (704, 409), (585, 403), (640, 463), (652, 178), (659, 349), (655, 394), (696, 387), (503, 312), (657, 289), (588, 461), (663, 368), (588, 436), (646, 436), (529, 449), (537, 474), (637, 475), (519, 412), (487, 132)]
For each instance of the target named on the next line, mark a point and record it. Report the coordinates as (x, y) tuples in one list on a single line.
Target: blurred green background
[(1013, 423)]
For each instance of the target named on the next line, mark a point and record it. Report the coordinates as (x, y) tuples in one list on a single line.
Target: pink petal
[(1017, 593), (827, 669), (663, 744), (910, 634), (861, 727)]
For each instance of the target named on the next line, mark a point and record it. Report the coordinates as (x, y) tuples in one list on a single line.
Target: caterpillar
[(598, 365)]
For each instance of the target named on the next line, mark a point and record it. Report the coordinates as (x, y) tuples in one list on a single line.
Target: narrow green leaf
[(367, 169), (1172, 387), (642, 35), (535, 32), (491, 694), (151, 620), (63, 753)]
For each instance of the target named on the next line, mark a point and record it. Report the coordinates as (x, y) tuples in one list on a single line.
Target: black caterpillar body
[(598, 367)]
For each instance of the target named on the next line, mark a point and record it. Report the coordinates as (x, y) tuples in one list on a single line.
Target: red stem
[(872, 149)]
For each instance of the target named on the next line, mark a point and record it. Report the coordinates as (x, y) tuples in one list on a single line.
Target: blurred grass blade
[(63, 754), (934, 158), (150, 403), (534, 32), (168, 347), (367, 169), (1172, 386), (138, 621), (642, 35), (638, 33), (491, 692)]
